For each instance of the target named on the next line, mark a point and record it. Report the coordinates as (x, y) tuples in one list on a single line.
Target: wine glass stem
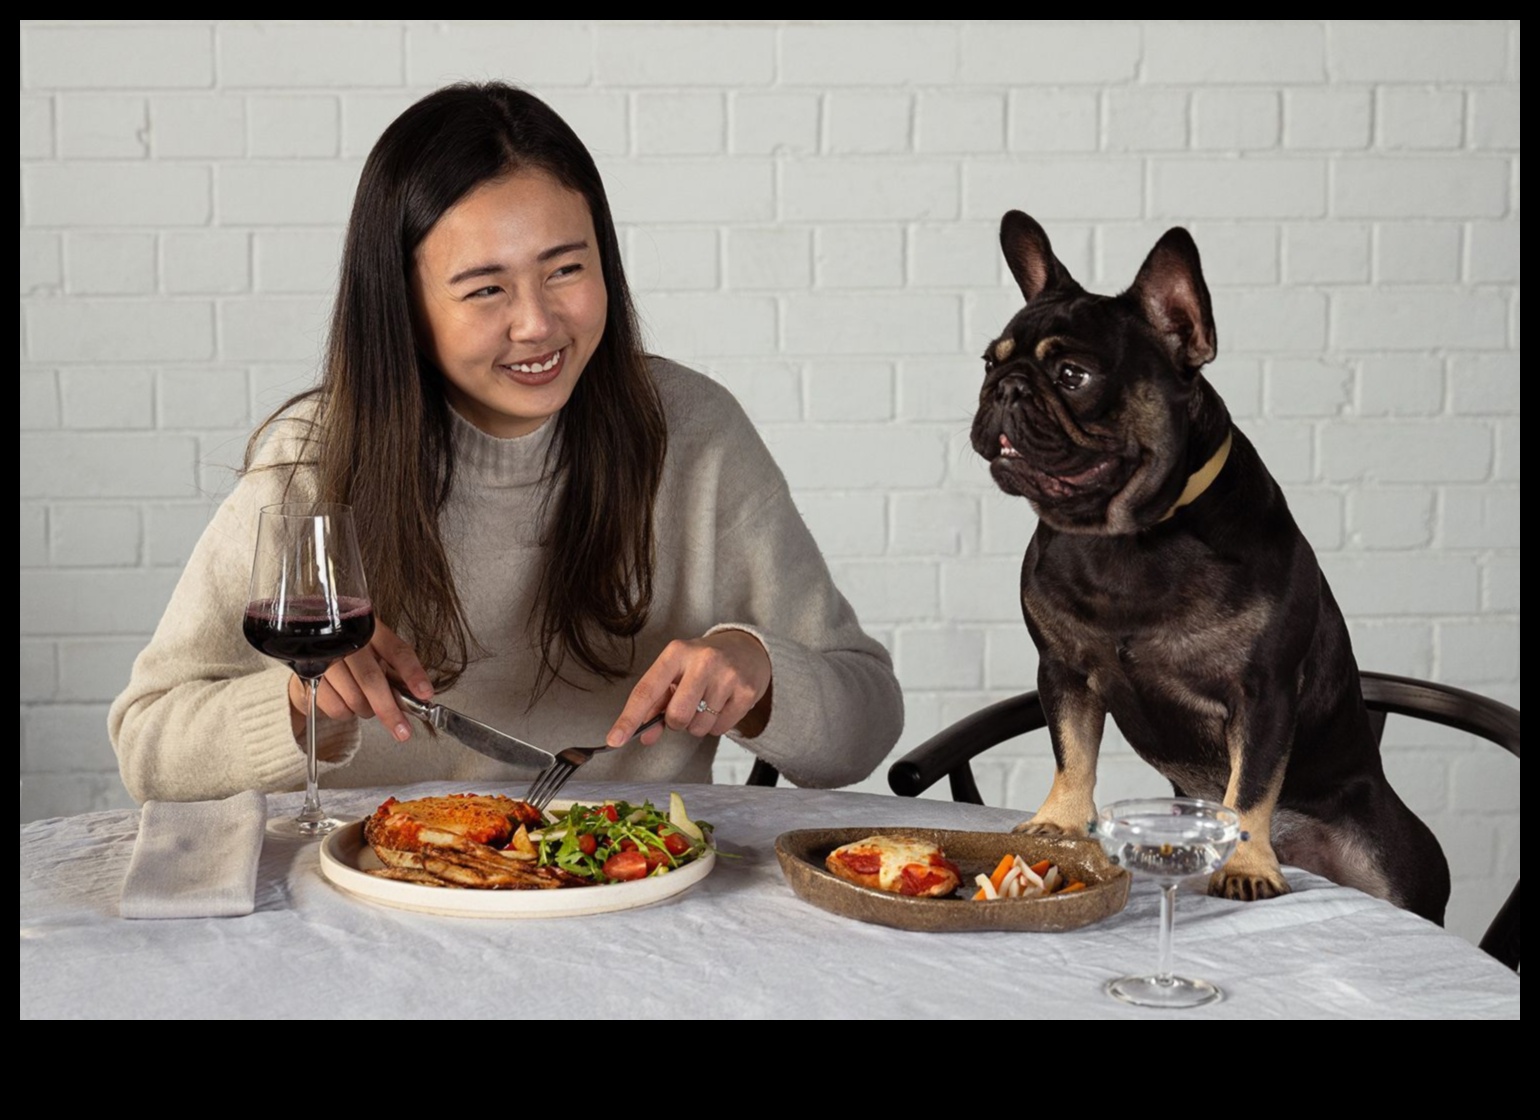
[(311, 813), (1167, 920)]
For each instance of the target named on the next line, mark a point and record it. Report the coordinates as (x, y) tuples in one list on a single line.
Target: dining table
[(739, 943)]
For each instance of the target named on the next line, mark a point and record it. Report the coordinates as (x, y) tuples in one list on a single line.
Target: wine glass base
[(1168, 991), (292, 828)]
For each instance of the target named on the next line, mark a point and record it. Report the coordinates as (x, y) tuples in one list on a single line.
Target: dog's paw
[(1246, 886), (1036, 827)]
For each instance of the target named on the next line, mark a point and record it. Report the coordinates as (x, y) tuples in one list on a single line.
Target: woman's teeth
[(537, 367)]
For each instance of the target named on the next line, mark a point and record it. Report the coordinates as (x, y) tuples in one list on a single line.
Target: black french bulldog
[(1168, 586)]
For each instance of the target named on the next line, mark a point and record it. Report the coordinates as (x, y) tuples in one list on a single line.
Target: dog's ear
[(1030, 256), (1170, 291)]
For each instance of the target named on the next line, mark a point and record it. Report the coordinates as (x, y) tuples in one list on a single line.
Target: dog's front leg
[(1076, 717), (1258, 736)]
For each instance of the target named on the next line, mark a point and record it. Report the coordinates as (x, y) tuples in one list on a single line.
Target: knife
[(475, 734)]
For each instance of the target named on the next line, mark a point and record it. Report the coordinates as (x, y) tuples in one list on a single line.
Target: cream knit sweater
[(204, 715)]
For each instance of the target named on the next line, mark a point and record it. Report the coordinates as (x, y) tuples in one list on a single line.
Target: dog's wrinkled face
[(1085, 398)]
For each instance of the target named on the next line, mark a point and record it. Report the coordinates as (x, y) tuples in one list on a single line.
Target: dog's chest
[(1151, 631)]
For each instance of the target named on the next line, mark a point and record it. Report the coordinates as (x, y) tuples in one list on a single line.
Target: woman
[(545, 511)]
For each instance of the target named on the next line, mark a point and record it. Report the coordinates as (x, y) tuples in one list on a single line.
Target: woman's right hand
[(359, 685)]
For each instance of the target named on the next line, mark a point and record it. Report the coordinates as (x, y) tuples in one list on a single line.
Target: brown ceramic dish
[(802, 856)]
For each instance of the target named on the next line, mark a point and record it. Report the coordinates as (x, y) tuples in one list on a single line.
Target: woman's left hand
[(728, 672)]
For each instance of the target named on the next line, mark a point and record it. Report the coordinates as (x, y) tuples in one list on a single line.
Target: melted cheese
[(896, 853)]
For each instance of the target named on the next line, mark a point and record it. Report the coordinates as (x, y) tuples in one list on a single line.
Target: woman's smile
[(510, 300), (536, 371)]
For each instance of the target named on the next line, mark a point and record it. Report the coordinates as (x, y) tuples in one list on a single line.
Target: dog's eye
[(1071, 377)]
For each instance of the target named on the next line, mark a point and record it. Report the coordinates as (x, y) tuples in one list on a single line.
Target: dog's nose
[(1010, 390)]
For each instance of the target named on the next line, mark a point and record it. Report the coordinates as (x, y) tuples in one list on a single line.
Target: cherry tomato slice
[(625, 866), (676, 843), (587, 844)]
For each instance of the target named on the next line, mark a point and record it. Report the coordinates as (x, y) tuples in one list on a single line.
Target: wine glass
[(1168, 839), (308, 607)]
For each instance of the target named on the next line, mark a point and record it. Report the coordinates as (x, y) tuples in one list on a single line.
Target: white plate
[(346, 860)]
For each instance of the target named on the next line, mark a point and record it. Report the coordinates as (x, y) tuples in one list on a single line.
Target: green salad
[(618, 841)]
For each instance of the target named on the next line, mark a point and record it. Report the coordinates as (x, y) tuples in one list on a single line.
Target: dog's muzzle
[(1011, 390)]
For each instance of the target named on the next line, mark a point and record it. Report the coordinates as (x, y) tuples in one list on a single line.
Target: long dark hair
[(381, 437)]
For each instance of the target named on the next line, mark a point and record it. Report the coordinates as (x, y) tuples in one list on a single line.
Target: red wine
[(305, 636)]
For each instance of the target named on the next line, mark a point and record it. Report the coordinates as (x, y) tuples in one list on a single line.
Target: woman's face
[(510, 300)]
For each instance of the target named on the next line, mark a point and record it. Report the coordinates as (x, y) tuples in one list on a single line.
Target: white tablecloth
[(739, 944)]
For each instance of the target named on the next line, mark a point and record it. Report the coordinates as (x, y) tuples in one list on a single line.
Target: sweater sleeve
[(204, 714), (836, 706)]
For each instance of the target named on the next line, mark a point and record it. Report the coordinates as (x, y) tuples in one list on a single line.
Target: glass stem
[(311, 813), (1167, 920)]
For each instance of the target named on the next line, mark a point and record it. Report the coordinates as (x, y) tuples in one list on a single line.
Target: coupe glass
[(308, 607), (1169, 839)]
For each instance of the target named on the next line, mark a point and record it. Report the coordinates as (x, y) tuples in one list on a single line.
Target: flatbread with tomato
[(898, 864)]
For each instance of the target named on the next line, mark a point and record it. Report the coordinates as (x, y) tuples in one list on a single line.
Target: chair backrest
[(763, 774), (1439, 703), (1465, 711), (949, 753)]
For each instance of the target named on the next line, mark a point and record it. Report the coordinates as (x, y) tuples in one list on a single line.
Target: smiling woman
[(562, 534), (512, 333)]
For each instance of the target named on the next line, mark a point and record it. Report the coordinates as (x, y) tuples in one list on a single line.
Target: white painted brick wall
[(1144, 120), (115, 193), (995, 53), (1235, 120), (57, 56), (862, 122), (680, 124), (1057, 189), (36, 127), (859, 257), (1054, 120), (809, 213), (1331, 118), (862, 189), (102, 127), (774, 123), (964, 123), (292, 125), (673, 259), (550, 53), (849, 391), (1395, 186)]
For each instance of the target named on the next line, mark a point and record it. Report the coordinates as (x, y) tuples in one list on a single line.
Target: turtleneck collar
[(522, 461)]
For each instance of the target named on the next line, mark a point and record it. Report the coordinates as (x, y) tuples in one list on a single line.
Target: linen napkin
[(196, 859)]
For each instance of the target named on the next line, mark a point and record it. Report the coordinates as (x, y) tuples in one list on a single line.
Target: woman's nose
[(531, 321)]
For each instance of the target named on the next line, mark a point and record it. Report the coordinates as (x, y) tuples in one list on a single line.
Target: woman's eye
[(483, 293), (1071, 377), (567, 270)]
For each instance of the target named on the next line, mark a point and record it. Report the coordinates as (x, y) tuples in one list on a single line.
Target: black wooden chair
[(949, 753), (763, 774)]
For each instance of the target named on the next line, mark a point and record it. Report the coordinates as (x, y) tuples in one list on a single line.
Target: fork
[(548, 782)]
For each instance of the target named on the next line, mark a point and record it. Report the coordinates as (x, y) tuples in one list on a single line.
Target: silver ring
[(705, 707)]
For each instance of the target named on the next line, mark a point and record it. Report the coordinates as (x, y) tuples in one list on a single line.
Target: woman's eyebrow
[(560, 250), (479, 270), (493, 269)]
